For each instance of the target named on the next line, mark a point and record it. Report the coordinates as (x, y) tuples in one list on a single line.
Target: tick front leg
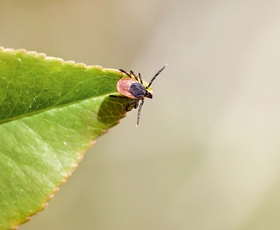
[(139, 111)]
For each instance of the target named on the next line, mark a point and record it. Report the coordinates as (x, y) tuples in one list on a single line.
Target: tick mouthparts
[(149, 95)]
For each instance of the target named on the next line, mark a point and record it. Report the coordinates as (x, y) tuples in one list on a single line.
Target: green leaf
[(51, 112)]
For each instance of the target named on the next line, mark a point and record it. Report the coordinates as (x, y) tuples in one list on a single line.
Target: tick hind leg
[(130, 74), (126, 73), (132, 104), (117, 96)]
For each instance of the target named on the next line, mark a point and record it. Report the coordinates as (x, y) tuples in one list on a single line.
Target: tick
[(134, 88)]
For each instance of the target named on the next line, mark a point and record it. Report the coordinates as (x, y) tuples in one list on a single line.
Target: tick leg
[(136, 77), (136, 105), (155, 76), (123, 71), (139, 111), (139, 75), (131, 105), (131, 75), (117, 96)]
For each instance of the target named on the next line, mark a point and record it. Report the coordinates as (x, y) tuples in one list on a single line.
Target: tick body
[(131, 88), (134, 88)]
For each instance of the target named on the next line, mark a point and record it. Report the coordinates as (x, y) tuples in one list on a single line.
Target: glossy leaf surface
[(51, 112)]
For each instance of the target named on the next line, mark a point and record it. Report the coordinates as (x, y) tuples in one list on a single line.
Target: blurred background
[(206, 154)]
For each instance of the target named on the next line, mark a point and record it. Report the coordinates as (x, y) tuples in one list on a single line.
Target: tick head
[(148, 94)]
